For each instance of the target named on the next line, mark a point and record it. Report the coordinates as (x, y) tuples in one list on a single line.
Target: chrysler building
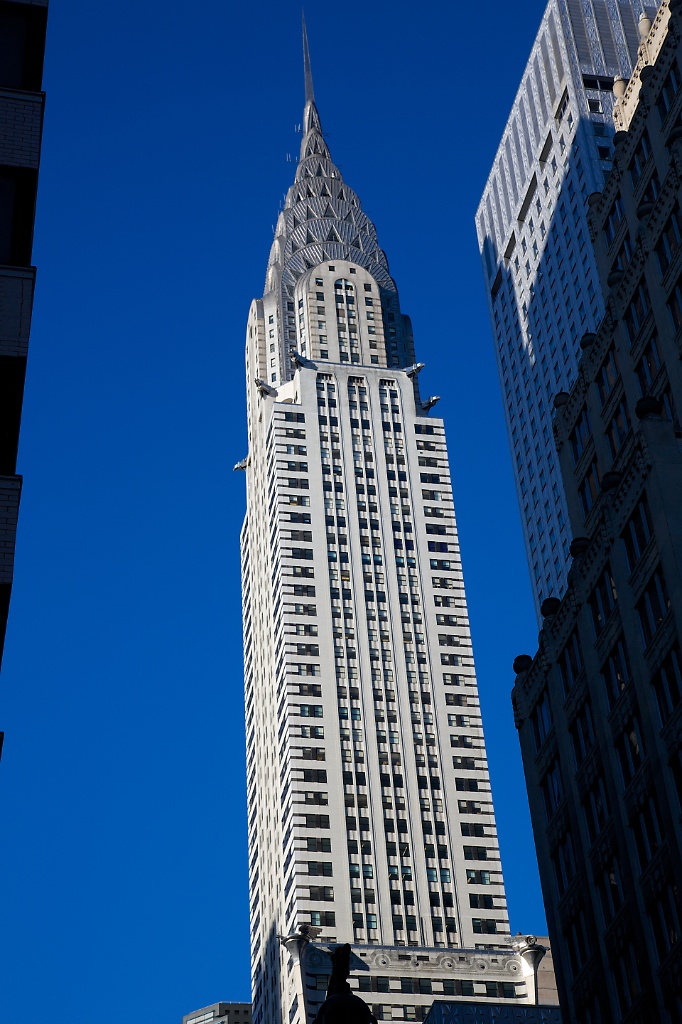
[(370, 812)]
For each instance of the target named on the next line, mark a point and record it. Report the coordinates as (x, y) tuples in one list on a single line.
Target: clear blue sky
[(123, 858)]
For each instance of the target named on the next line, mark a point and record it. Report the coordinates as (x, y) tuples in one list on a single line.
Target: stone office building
[(371, 817), (599, 708)]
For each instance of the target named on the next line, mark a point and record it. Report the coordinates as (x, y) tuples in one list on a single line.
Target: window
[(618, 428), (589, 487), (637, 311), (607, 376), (668, 92), (320, 821), (667, 683), (552, 789), (653, 606), (669, 242), (563, 860), (484, 926), (320, 868), (646, 828), (639, 160), (610, 891), (577, 942), (322, 893), (596, 809), (582, 733), (637, 533), (474, 853), (665, 920), (613, 220), (675, 304), (629, 749), (616, 672), (602, 601), (580, 435), (648, 366), (570, 663), (541, 719)]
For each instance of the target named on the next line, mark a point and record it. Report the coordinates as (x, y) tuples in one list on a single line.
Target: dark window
[(665, 920), (646, 828), (669, 91), (589, 487), (582, 733), (570, 663), (610, 891), (640, 158), (17, 207), (577, 943), (613, 220), (602, 600), (618, 428), (552, 789), (637, 533), (637, 311), (653, 606), (626, 977), (675, 304), (22, 45), (484, 926), (607, 376), (596, 808), (580, 435), (541, 719), (616, 671), (667, 683), (648, 366), (629, 749), (670, 240), (564, 863)]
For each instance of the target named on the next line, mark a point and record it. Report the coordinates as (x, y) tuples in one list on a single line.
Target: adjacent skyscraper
[(599, 709), (541, 279), (370, 812), (22, 45)]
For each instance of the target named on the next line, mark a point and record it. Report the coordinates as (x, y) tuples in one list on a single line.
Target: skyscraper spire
[(307, 71)]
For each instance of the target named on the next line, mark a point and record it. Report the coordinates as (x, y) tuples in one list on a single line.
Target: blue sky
[(123, 861)]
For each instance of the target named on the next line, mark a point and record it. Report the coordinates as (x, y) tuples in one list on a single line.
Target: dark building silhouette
[(22, 46), (599, 708)]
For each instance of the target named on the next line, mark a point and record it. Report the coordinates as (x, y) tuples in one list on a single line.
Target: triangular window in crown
[(319, 173), (309, 192), (349, 217), (356, 243), (333, 235), (309, 238), (308, 263), (328, 212), (294, 247), (296, 222), (325, 192)]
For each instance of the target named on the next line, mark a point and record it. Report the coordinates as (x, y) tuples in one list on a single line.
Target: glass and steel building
[(540, 274)]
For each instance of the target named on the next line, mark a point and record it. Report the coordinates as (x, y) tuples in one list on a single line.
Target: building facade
[(540, 274), (220, 1013), (370, 813), (22, 46), (599, 708)]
